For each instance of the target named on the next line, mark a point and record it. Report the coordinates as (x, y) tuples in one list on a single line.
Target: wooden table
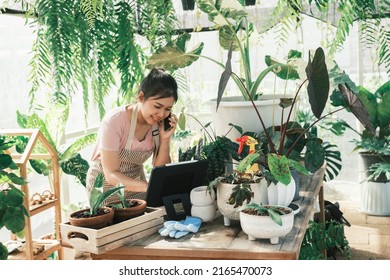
[(215, 241)]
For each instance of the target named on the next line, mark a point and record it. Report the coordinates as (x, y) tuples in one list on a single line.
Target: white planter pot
[(205, 212), (280, 194), (200, 196), (375, 198), (236, 111), (228, 211), (264, 227)]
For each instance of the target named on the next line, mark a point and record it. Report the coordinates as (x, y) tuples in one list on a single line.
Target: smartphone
[(167, 126)]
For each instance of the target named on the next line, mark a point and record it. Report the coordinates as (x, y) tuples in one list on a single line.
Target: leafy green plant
[(274, 212), (218, 150), (317, 151), (85, 48), (370, 15), (69, 158), (235, 30), (12, 210), (278, 161), (375, 138), (124, 203), (323, 237), (97, 197), (242, 190)]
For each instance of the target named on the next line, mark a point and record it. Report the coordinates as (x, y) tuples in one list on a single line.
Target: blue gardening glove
[(190, 224), (175, 229), (168, 228)]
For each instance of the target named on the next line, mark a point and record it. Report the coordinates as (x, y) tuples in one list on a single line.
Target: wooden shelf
[(49, 249), (35, 137)]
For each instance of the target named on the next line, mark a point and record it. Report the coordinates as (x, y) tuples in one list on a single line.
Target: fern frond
[(105, 54), (39, 64), (384, 49), (58, 18), (89, 8), (131, 61)]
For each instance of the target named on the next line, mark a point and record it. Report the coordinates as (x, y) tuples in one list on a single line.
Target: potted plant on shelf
[(266, 221), (374, 146), (244, 185), (260, 220), (234, 31), (97, 215), (12, 210), (217, 149)]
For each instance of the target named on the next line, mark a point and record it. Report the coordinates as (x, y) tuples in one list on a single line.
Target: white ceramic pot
[(228, 211), (200, 196), (375, 198), (205, 212), (233, 109), (281, 194), (264, 227)]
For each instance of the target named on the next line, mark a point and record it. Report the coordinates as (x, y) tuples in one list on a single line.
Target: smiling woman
[(131, 134)]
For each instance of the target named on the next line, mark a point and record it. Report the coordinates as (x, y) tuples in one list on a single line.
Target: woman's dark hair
[(159, 84)]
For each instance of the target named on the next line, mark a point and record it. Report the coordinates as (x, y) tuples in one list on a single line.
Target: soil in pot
[(103, 218), (280, 210), (137, 208)]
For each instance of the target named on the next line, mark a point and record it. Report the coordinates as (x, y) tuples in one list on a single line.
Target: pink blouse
[(114, 132)]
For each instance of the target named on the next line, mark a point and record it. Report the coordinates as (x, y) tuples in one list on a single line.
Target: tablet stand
[(169, 203)]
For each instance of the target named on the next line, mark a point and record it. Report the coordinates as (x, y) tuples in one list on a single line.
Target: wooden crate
[(98, 241)]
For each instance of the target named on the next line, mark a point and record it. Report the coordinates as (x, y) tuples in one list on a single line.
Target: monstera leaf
[(174, 55), (318, 87)]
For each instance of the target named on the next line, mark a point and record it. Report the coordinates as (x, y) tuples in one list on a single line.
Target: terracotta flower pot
[(95, 222), (123, 214)]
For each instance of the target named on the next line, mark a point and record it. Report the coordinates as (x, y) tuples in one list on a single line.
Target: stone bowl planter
[(264, 227)]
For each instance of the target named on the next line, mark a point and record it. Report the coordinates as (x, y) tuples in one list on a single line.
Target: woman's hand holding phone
[(167, 125)]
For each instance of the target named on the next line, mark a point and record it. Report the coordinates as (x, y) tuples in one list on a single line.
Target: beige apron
[(131, 162)]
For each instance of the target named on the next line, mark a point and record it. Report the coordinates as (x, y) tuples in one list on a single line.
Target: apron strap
[(156, 140), (133, 124), (155, 133)]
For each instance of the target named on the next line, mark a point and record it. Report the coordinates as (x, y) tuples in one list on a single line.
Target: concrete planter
[(224, 191), (264, 227)]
